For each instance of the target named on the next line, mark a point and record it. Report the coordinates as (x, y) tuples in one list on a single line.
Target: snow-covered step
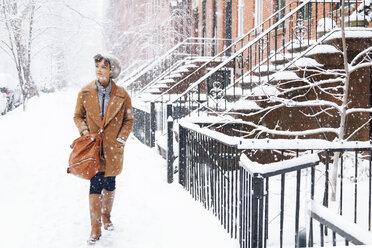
[(188, 65), (256, 92), (173, 75), (245, 105), (182, 70), (206, 59), (265, 70), (250, 81), (165, 81), (281, 58), (323, 49), (296, 46), (327, 55), (152, 91), (284, 76), (305, 63), (158, 86)]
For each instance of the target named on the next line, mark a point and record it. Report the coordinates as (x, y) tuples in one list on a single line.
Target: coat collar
[(93, 108), (116, 104), (101, 88)]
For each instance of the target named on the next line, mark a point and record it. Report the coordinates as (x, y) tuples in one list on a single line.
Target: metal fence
[(269, 207), (144, 125)]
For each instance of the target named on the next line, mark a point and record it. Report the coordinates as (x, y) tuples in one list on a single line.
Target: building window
[(258, 12), (279, 7), (241, 18)]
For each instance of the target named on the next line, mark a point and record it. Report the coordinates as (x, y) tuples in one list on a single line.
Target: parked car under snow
[(3, 103), (9, 91)]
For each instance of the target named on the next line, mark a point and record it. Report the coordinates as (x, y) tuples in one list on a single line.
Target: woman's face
[(102, 71)]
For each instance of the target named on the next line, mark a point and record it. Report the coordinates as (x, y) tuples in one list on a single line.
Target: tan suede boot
[(107, 201), (95, 217)]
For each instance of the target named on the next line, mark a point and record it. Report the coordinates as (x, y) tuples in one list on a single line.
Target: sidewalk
[(42, 206)]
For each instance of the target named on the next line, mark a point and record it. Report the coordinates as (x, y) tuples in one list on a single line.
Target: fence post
[(182, 155), (257, 211), (170, 143), (152, 125), (147, 128)]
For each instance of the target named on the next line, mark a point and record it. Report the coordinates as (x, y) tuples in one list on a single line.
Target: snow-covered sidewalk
[(42, 206)]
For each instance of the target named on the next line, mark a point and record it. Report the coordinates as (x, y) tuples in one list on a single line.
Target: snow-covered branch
[(262, 129), (359, 66), (358, 129), (310, 103), (360, 55), (358, 110)]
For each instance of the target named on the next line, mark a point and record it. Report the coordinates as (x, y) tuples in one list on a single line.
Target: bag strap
[(113, 92)]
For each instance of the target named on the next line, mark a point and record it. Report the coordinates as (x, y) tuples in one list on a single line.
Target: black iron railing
[(266, 204), (144, 127), (189, 48), (178, 88), (256, 57)]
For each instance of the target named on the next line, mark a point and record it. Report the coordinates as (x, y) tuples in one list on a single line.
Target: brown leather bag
[(84, 161)]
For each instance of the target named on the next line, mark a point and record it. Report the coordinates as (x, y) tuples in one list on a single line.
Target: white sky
[(76, 26)]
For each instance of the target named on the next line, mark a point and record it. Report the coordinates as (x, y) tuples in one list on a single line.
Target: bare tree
[(18, 19), (362, 60)]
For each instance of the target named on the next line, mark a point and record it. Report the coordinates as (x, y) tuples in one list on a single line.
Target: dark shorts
[(100, 182)]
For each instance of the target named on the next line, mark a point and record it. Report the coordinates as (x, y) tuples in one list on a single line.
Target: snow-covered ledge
[(280, 144), (302, 144), (340, 225), (223, 138), (272, 169)]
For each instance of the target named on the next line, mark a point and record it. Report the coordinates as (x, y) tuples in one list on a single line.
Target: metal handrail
[(255, 29), (162, 75), (303, 54), (161, 58), (250, 44)]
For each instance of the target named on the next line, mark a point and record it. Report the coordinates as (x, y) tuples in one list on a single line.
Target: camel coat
[(119, 123)]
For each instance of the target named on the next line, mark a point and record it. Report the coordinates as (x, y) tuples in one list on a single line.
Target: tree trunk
[(344, 104)]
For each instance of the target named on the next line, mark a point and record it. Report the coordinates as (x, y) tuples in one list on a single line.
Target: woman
[(91, 106)]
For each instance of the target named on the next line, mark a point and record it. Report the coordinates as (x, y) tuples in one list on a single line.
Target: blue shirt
[(103, 97)]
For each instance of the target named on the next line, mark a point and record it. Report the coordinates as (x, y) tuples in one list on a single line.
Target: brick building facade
[(172, 21)]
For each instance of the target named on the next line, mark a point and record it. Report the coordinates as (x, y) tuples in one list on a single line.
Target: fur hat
[(115, 67)]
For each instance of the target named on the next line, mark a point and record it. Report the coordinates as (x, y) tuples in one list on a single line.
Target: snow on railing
[(277, 168), (303, 144), (340, 225), (223, 138), (270, 144), (212, 167)]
